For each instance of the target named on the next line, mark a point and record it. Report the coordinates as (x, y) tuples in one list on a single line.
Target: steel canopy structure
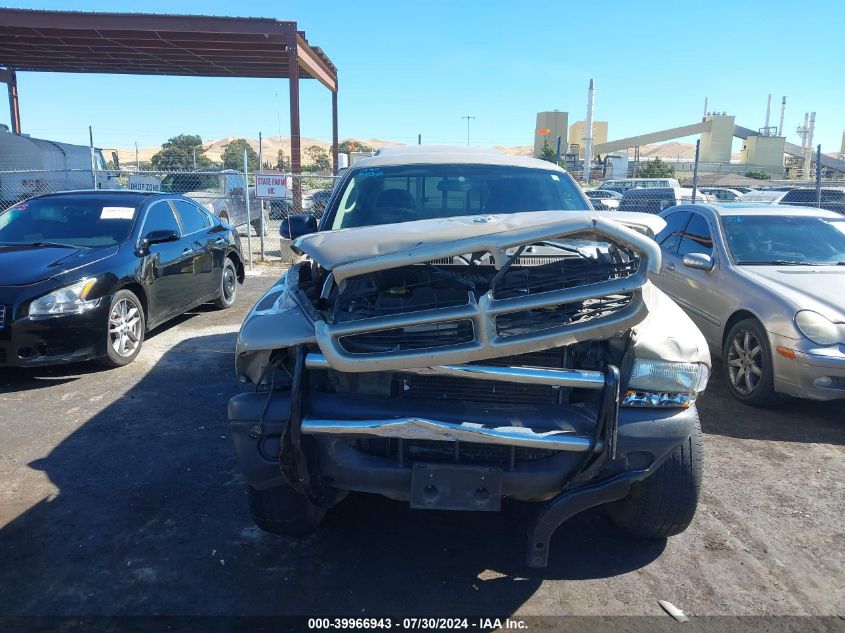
[(152, 44)]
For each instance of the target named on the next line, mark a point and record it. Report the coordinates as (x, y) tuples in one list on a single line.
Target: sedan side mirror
[(699, 261), (296, 225), (160, 237)]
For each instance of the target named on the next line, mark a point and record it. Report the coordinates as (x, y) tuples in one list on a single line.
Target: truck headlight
[(68, 300), (819, 329), (658, 383)]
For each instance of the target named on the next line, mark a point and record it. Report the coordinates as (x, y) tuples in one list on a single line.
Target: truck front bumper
[(593, 454)]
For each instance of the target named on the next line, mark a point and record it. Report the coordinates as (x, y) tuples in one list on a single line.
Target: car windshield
[(386, 195), (784, 240), (73, 221)]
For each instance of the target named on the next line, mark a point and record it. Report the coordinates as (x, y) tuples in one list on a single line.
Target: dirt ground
[(120, 495)]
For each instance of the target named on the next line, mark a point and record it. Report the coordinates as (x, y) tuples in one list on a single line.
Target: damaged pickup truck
[(464, 328)]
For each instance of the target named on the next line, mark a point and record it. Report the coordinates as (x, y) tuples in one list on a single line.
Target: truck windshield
[(387, 195), (68, 221)]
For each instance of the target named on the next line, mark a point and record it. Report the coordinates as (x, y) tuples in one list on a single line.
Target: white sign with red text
[(272, 185)]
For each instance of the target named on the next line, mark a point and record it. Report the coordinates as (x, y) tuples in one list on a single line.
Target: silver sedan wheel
[(745, 362), (125, 327)]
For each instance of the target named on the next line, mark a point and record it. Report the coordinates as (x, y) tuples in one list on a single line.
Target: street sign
[(141, 182), (272, 186)]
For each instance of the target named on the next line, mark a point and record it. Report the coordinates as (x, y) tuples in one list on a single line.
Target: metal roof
[(153, 44)]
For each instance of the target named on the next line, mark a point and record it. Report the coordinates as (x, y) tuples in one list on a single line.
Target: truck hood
[(818, 288), (25, 264), (356, 251)]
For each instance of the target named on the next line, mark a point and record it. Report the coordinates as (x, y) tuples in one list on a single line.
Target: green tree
[(351, 145), (656, 169), (282, 163), (179, 152), (233, 155), (319, 158), (547, 152), (759, 174)]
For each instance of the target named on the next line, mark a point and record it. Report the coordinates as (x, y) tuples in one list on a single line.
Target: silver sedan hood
[(818, 288), (356, 251)]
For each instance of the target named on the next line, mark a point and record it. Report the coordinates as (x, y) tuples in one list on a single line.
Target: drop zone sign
[(272, 185)]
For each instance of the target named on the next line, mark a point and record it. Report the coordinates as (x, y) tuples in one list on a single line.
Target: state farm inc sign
[(271, 185)]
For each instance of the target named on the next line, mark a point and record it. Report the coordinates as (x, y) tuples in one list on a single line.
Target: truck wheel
[(747, 362), (125, 329), (282, 510), (228, 285), (663, 504)]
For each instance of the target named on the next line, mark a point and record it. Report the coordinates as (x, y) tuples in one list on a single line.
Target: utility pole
[(195, 157), (588, 133), (137, 163), (468, 118)]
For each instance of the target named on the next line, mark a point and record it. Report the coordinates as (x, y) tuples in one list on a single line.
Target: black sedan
[(84, 275)]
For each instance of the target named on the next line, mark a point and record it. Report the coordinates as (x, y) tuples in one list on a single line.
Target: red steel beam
[(9, 78), (295, 140)]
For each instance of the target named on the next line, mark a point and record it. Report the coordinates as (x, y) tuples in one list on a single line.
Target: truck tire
[(282, 510), (664, 504)]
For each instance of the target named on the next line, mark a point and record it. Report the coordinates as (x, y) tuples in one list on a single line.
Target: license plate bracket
[(454, 487)]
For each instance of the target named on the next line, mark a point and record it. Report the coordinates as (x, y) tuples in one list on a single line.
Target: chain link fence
[(227, 193)]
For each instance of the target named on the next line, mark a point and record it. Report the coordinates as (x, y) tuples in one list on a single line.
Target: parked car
[(224, 193), (655, 200), (765, 285), (604, 199), (761, 196), (85, 274), (318, 202), (831, 198), (722, 194), (461, 328), (622, 185)]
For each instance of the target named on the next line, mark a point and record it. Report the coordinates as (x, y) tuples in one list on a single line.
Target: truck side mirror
[(297, 225)]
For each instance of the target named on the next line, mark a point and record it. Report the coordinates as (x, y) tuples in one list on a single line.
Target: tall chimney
[(768, 113), (782, 112)]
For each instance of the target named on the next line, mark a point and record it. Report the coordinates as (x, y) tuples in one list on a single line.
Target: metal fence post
[(695, 171), (819, 176), (248, 218), (93, 162), (261, 201)]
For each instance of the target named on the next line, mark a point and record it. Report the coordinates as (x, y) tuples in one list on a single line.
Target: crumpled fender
[(667, 333), (275, 322)]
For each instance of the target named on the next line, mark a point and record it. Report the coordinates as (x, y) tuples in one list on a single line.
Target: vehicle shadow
[(790, 420), (27, 378), (150, 517)]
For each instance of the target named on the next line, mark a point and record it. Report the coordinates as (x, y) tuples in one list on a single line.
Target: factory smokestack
[(588, 131), (782, 112), (768, 114)]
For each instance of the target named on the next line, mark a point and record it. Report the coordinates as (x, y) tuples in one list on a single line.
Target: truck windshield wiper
[(56, 245)]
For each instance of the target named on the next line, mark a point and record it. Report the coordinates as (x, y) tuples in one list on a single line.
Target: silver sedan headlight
[(819, 329), (659, 383), (68, 300)]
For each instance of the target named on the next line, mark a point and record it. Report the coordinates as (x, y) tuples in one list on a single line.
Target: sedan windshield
[(386, 195), (74, 221), (784, 240)]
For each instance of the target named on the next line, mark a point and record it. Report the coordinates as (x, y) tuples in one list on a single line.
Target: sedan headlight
[(819, 329), (68, 300), (659, 383)]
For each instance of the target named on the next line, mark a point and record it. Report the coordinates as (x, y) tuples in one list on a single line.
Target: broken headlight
[(658, 383)]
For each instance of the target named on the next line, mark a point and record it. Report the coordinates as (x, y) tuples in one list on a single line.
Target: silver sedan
[(766, 286)]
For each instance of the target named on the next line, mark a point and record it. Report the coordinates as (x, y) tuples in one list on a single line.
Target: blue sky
[(408, 68)]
